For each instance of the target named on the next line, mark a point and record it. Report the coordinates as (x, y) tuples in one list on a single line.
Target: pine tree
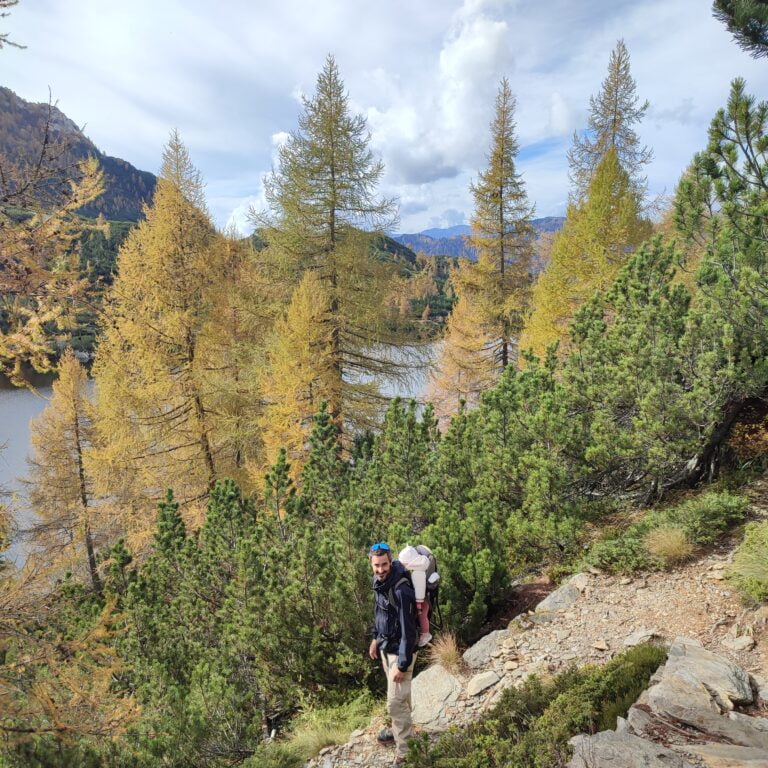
[(396, 484), (323, 477), (612, 117), (61, 484), (321, 197), (634, 437), (599, 235), (747, 21), (721, 205)]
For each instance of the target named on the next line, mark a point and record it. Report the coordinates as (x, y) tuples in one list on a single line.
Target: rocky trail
[(711, 698)]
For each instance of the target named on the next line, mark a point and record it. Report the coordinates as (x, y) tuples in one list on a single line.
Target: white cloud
[(230, 78), (560, 116), (240, 216)]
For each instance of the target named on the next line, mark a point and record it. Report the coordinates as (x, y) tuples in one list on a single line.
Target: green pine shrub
[(530, 726), (645, 545), (707, 517), (749, 571), (622, 553)]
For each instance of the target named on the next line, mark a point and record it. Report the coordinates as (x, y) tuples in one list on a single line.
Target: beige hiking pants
[(399, 702)]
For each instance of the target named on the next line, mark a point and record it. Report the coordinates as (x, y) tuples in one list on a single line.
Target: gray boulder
[(431, 692), (728, 755), (561, 599), (481, 653), (609, 749), (480, 682), (699, 689), (728, 682)]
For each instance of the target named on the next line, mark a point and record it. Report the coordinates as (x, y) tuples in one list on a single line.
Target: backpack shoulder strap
[(391, 594)]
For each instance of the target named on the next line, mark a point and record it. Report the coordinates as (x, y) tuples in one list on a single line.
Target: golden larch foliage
[(598, 237)]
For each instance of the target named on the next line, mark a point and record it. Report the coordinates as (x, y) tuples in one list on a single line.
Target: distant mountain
[(21, 128), (459, 229), (452, 240)]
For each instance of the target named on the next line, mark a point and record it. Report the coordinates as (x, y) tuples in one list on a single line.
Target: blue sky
[(229, 75)]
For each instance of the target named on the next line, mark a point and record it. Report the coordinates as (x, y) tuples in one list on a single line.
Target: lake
[(17, 408)]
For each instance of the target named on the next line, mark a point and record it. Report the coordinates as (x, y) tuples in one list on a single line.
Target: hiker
[(394, 640), (417, 561)]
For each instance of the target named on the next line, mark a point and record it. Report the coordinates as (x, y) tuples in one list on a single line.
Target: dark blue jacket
[(395, 628)]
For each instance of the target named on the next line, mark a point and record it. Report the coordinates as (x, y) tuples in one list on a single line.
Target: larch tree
[(153, 364), (598, 237), (493, 294), (61, 488), (613, 115), (502, 233), (39, 283), (296, 377), (233, 344), (4, 36), (322, 209), (464, 368)]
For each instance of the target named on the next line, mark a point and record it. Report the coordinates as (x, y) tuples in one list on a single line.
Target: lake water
[(18, 406)]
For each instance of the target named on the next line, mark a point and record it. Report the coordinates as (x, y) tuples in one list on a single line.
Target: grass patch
[(749, 572), (669, 544), (445, 652), (700, 520), (530, 727), (313, 730)]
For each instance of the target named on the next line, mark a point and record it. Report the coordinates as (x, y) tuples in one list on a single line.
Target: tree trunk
[(90, 552), (704, 462)]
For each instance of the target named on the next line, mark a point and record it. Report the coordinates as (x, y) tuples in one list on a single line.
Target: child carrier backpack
[(433, 588)]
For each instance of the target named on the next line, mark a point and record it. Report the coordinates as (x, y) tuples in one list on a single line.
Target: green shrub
[(619, 554), (312, 730), (530, 727), (702, 519), (749, 571), (707, 517)]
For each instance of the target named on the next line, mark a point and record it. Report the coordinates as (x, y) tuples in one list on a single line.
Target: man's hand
[(397, 675), (373, 649)]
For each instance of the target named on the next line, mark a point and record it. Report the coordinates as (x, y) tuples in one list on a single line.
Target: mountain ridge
[(452, 241), (22, 127)]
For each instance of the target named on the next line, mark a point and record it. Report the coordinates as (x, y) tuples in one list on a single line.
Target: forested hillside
[(197, 588), (22, 124)]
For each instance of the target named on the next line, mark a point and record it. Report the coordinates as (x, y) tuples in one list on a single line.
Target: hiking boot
[(385, 736), (424, 639)]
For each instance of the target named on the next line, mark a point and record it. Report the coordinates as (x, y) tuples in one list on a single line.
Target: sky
[(230, 76)]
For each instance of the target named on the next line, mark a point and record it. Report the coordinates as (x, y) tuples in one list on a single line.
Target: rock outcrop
[(689, 716)]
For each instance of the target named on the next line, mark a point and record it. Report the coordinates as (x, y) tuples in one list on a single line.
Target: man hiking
[(394, 640)]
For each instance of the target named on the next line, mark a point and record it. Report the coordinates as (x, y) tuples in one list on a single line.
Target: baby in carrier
[(420, 563)]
